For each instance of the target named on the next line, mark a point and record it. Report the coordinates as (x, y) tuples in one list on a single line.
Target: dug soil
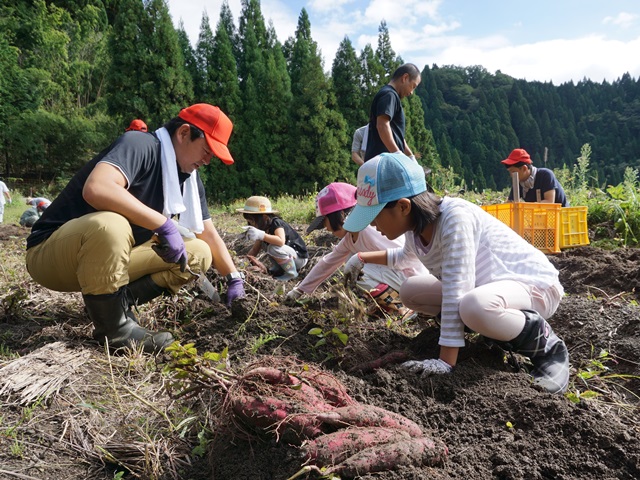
[(492, 419)]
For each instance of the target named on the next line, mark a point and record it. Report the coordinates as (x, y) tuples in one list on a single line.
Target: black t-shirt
[(544, 181), (137, 156), (292, 238), (386, 102)]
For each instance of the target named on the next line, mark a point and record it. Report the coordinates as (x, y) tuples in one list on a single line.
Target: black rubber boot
[(547, 352), (144, 290), (114, 321)]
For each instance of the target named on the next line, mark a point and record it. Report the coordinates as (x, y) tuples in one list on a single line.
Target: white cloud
[(395, 12), (593, 57), (327, 7), (421, 34), (623, 20)]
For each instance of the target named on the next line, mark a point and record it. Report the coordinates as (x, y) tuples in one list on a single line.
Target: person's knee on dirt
[(468, 251), (276, 237), (97, 233), (333, 204)]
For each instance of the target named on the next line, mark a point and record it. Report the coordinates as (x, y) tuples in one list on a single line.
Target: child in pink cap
[(333, 204)]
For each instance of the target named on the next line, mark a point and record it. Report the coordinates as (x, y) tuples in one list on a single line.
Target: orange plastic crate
[(537, 223)]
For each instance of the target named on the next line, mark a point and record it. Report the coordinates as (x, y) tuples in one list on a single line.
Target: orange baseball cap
[(519, 155), (216, 127), (137, 124)]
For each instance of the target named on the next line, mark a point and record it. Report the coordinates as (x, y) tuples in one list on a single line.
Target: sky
[(545, 40)]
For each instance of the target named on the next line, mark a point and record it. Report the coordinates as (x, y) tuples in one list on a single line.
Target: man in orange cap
[(138, 125), (110, 232), (536, 184)]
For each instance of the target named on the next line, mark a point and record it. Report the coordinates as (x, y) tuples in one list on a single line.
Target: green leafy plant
[(262, 341), (189, 372), (593, 380), (325, 336)]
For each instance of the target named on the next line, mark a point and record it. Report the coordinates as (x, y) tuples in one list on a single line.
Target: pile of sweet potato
[(309, 407)]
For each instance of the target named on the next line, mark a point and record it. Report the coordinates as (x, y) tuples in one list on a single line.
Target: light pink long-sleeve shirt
[(369, 240)]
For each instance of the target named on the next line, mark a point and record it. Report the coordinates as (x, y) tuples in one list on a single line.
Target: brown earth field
[(69, 410)]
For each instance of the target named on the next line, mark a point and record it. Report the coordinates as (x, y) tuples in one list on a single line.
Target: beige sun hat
[(257, 205)]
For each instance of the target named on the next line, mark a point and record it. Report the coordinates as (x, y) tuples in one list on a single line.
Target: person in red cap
[(138, 125), (536, 184), (110, 234)]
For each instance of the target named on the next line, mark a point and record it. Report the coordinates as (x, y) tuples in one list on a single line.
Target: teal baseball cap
[(383, 179)]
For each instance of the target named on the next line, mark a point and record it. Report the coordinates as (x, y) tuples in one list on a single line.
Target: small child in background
[(333, 204), (281, 242)]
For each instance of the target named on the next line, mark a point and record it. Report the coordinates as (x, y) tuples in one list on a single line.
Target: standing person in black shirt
[(110, 235), (386, 117)]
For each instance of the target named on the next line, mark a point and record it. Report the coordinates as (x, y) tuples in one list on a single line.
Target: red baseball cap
[(216, 127), (137, 124), (519, 155)]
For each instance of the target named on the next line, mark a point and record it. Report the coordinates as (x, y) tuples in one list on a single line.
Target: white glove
[(293, 295), (352, 270), (254, 234), (430, 366)]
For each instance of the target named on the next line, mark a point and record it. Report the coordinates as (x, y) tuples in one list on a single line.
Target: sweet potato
[(263, 412), (390, 358), (412, 452), (330, 387), (288, 420), (258, 264), (287, 386), (333, 448), (369, 416), (271, 375), (307, 394)]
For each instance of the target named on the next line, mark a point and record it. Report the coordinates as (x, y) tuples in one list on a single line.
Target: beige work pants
[(94, 254)]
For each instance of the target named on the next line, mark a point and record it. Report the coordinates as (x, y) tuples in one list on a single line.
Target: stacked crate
[(547, 226)]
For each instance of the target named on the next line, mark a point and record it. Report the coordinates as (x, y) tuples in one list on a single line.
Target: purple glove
[(170, 246), (235, 289)]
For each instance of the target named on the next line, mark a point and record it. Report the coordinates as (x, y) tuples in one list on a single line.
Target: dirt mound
[(493, 421)]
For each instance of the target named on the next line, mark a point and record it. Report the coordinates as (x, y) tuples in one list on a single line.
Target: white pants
[(1, 212), (373, 275), (493, 310)]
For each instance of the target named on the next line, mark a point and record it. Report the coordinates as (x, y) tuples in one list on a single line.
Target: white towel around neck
[(187, 204)]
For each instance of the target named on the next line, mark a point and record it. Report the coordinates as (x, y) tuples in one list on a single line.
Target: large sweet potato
[(369, 416), (332, 390), (333, 448), (287, 420), (270, 375), (388, 456), (274, 382)]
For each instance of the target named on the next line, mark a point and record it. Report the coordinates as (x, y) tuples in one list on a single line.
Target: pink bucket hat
[(332, 198)]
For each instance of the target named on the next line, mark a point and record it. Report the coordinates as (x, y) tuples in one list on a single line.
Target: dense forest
[(74, 73)]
